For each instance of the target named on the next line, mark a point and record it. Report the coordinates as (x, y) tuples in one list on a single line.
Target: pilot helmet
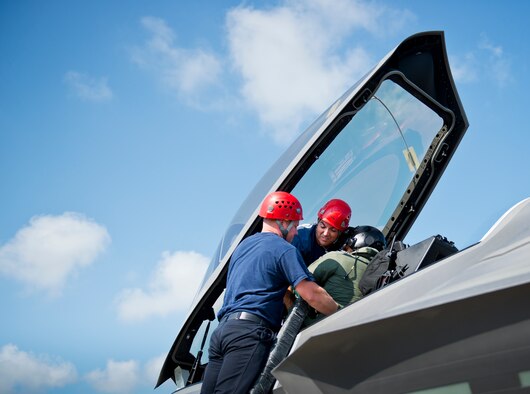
[(361, 236)]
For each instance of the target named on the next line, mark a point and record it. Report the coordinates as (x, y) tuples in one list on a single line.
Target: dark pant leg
[(245, 346), (215, 361)]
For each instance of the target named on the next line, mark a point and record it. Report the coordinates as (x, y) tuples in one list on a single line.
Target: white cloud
[(43, 254), (87, 87), (118, 377), (186, 71), (486, 62), (289, 56), (349, 15), (125, 376), (464, 68), (498, 65), (170, 288), (487, 45), (24, 372), (152, 369)]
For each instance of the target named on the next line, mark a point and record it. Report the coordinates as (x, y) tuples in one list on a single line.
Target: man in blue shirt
[(261, 269), (315, 240)]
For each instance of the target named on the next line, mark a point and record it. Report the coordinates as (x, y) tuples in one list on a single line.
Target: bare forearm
[(317, 297), (323, 302)]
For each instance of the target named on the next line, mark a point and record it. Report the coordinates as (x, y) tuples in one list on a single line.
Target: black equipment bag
[(399, 261), (381, 266)]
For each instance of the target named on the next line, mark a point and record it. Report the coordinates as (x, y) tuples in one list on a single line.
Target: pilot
[(339, 272), (315, 240), (261, 269)]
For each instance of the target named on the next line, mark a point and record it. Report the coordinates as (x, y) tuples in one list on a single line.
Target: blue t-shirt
[(306, 242), (261, 269)]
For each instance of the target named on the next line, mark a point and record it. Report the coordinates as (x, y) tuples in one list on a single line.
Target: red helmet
[(336, 213), (282, 206)]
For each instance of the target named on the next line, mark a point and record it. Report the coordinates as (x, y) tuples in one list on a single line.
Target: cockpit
[(381, 147)]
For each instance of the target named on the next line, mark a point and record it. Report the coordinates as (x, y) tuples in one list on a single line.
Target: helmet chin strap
[(284, 230)]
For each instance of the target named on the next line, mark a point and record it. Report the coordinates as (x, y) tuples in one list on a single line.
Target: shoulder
[(328, 259), (292, 264), (300, 239), (260, 242), (366, 252), (275, 243), (305, 232), (249, 242), (275, 239), (334, 255), (305, 227)]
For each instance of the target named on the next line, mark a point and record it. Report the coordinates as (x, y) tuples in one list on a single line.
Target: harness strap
[(356, 257), (284, 230)]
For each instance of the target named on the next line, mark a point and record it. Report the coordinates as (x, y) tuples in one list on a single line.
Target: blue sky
[(130, 134)]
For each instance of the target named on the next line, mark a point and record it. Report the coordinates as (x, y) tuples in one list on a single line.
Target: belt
[(246, 316)]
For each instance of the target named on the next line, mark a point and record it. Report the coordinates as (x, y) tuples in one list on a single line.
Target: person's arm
[(289, 298), (316, 297)]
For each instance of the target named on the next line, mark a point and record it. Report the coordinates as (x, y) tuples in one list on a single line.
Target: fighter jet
[(455, 321)]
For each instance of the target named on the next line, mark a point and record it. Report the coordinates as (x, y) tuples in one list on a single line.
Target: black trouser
[(237, 354)]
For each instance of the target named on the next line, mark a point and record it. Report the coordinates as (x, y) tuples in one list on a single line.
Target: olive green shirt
[(339, 274)]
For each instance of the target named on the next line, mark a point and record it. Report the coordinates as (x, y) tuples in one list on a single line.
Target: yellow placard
[(411, 158)]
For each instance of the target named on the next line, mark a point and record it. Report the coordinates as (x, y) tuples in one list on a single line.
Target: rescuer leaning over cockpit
[(315, 240), (339, 272), (261, 269)]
